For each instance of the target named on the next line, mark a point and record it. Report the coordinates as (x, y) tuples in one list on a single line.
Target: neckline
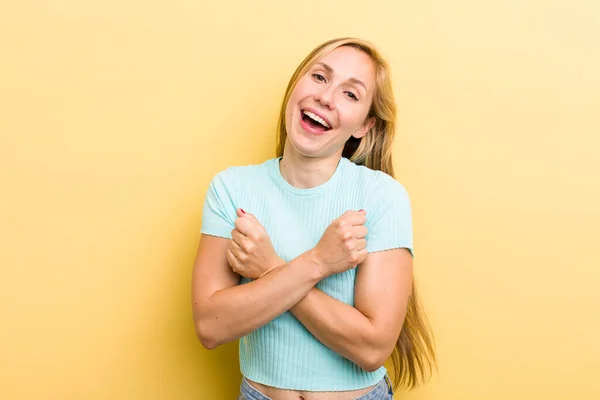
[(276, 172)]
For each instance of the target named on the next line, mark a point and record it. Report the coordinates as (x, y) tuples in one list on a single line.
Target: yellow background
[(115, 115)]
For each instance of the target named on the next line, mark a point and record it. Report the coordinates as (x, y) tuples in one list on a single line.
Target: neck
[(307, 172)]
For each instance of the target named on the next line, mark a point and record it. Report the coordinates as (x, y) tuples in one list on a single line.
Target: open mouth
[(314, 121)]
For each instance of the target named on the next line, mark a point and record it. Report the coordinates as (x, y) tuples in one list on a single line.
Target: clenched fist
[(250, 252), (343, 245)]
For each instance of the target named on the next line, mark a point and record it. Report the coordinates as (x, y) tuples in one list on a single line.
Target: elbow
[(206, 331), (206, 340), (374, 360), (206, 336), (208, 343), (371, 366)]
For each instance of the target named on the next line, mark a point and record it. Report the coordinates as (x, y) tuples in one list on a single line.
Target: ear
[(369, 123)]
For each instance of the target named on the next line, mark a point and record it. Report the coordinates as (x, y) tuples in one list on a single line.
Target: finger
[(242, 213), (249, 226), (361, 244), (355, 218), (244, 225), (235, 249), (362, 254), (251, 217), (242, 246), (237, 236), (360, 231), (233, 262)]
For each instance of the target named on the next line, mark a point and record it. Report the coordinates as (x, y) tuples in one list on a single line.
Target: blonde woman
[(307, 258)]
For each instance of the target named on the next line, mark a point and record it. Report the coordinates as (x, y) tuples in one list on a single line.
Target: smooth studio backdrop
[(115, 115)]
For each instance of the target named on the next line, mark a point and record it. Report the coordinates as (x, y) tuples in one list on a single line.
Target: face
[(330, 104)]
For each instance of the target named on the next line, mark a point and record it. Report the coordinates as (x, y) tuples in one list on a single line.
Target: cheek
[(289, 116), (351, 118), (289, 112), (302, 89), (292, 104), (357, 115)]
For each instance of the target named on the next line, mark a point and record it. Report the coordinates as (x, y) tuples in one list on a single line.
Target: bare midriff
[(283, 394)]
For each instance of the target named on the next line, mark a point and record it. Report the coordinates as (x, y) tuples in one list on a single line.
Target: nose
[(325, 97)]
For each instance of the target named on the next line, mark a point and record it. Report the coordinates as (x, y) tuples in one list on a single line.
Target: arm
[(365, 334), (224, 311)]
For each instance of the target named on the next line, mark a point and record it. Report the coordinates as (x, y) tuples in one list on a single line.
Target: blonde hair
[(413, 357)]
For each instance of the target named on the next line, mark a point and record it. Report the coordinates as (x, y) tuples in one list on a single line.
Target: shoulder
[(234, 175), (389, 186), (377, 183)]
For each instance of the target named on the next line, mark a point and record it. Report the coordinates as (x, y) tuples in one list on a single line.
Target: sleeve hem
[(392, 247), (217, 234)]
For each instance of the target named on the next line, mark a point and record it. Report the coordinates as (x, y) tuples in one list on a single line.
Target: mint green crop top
[(283, 353)]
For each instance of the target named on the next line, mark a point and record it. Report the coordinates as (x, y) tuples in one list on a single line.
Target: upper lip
[(312, 110)]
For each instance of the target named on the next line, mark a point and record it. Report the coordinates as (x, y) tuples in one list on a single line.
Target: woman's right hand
[(343, 245)]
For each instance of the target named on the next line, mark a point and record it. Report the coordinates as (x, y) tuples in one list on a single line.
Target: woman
[(307, 257)]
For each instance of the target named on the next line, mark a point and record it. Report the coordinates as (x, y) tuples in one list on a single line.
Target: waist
[(251, 390), (288, 356)]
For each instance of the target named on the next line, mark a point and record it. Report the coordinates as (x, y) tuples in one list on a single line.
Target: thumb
[(241, 213)]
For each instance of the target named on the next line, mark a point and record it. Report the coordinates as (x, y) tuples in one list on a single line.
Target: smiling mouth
[(314, 121)]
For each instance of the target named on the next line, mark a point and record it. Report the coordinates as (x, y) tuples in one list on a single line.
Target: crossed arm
[(365, 334)]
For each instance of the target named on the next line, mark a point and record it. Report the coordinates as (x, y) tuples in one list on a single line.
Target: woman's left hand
[(250, 252)]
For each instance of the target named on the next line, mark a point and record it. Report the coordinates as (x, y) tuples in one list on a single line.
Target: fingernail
[(243, 210)]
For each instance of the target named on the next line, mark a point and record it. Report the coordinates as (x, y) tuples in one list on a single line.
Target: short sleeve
[(389, 217), (219, 211)]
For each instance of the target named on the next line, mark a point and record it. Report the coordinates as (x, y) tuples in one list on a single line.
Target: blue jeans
[(383, 391)]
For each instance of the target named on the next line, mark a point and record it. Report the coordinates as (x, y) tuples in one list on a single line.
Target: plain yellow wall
[(114, 116)]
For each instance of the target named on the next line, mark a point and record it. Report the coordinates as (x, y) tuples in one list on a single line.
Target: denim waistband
[(382, 391)]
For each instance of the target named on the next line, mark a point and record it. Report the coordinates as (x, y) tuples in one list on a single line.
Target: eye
[(352, 96), (319, 77)]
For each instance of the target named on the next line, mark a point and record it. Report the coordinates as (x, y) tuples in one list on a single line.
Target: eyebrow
[(330, 70)]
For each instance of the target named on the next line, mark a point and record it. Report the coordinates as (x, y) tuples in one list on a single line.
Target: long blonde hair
[(413, 357)]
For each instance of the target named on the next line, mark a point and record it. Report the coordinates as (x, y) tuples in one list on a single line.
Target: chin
[(304, 147)]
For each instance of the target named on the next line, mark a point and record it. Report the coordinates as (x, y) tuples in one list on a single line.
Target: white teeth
[(317, 118)]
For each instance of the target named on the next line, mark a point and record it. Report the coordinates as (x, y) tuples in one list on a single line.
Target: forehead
[(348, 62)]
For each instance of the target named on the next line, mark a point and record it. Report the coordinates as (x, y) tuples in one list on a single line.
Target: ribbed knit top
[(283, 353)]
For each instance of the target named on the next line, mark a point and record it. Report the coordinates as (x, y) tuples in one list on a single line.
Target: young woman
[(307, 257)]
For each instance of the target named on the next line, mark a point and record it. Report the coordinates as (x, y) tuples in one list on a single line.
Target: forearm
[(236, 311), (342, 328)]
